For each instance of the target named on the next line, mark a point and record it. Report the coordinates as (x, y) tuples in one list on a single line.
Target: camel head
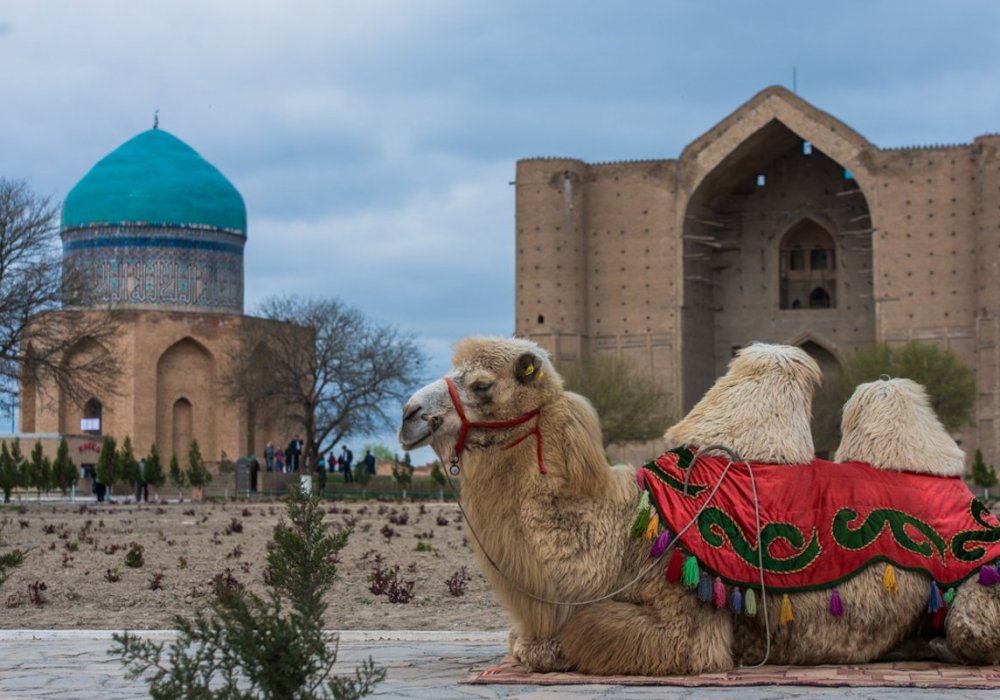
[(890, 424), (760, 408), (495, 380)]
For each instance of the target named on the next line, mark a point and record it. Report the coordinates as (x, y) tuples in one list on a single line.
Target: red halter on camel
[(463, 432)]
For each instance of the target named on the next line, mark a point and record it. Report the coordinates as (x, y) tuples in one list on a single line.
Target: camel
[(890, 424), (550, 522)]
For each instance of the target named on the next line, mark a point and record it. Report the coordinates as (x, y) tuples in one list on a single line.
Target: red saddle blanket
[(820, 523)]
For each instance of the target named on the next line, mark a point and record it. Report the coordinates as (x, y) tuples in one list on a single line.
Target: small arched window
[(819, 299), (808, 268), (92, 414)]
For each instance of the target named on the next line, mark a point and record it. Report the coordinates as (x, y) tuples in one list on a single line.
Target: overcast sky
[(373, 141)]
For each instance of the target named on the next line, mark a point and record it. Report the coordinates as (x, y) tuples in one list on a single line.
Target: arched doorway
[(183, 427), (827, 402)]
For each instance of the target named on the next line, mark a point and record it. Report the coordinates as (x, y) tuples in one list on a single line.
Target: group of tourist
[(289, 460)]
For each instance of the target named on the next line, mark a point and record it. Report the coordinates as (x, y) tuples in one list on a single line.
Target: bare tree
[(50, 336), (332, 370)]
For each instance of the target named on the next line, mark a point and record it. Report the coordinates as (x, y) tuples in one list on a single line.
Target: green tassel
[(949, 595), (642, 516), (689, 574), (749, 603)]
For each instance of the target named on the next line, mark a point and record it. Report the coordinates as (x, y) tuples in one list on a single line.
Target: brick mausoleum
[(160, 234), (780, 224)]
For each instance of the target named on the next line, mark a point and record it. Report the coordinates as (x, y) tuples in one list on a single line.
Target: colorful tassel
[(705, 589), (949, 595), (736, 601), (889, 579), (719, 593), (750, 603), (937, 619), (640, 477), (935, 602), (675, 566), (836, 604), (689, 574), (988, 576), (786, 615), (641, 516), (661, 544), (652, 528)]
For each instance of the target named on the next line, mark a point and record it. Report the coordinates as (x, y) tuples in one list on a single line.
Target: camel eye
[(482, 386)]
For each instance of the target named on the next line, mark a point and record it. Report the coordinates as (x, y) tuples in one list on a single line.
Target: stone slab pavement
[(73, 664)]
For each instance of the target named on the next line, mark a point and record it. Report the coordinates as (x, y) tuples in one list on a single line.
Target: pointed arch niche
[(185, 399), (777, 224), (808, 268), (71, 413)]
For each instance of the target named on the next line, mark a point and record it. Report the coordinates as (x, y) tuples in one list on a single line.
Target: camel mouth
[(413, 442)]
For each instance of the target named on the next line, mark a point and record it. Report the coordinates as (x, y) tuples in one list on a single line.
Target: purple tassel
[(736, 601), (719, 593), (988, 576), (661, 544), (934, 604), (836, 605)]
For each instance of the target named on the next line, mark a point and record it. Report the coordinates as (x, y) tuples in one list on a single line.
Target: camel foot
[(542, 656), (944, 653)]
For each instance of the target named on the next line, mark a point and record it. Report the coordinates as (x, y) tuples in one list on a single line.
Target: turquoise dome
[(155, 179)]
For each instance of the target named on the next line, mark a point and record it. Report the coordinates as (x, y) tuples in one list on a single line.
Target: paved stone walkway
[(74, 664)]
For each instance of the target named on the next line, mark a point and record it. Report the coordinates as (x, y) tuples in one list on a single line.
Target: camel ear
[(528, 368)]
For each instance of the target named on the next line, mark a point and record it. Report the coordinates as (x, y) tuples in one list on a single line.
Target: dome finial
[(156, 119)]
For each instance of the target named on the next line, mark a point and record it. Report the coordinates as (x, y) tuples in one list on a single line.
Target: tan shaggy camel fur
[(760, 408), (890, 424), (552, 530)]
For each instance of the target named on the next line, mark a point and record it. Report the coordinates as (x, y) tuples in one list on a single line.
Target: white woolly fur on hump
[(890, 424), (760, 409)]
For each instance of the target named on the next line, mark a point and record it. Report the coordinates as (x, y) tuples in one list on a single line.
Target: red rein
[(467, 425)]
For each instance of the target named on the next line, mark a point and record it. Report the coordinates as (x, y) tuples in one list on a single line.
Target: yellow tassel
[(786, 610), (889, 579), (653, 528)]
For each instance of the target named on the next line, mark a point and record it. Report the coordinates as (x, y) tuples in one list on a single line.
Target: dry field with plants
[(125, 566)]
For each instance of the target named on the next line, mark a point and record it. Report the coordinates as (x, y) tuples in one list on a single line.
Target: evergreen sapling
[(247, 646)]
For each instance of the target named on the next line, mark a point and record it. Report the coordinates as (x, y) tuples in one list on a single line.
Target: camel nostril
[(411, 414)]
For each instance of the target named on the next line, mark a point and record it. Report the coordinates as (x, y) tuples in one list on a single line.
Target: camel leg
[(972, 626), (672, 636)]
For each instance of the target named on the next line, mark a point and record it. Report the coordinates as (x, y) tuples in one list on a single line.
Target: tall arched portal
[(185, 389), (777, 243)]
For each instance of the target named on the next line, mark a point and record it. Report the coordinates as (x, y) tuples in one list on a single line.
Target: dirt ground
[(76, 573)]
